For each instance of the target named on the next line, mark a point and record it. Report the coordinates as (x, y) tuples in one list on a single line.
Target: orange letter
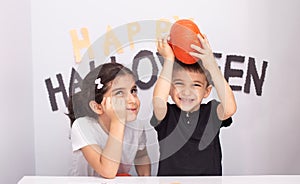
[(80, 44), (132, 28), (162, 26), (111, 39)]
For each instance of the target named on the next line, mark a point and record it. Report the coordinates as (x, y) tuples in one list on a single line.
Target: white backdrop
[(16, 92), (264, 136)]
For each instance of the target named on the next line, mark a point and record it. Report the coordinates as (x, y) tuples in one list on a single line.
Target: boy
[(188, 131)]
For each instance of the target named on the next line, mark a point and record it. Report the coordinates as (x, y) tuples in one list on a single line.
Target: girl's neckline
[(103, 128)]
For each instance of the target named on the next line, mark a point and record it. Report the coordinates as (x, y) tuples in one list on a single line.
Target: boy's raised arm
[(228, 105), (163, 84)]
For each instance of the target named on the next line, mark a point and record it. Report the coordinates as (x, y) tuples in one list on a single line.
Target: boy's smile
[(186, 100), (188, 89)]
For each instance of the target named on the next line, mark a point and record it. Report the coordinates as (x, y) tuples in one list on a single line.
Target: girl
[(103, 143)]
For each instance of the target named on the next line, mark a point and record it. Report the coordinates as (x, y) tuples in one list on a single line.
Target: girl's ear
[(207, 91), (96, 107)]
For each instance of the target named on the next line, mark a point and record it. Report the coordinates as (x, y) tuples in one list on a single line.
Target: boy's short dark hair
[(196, 67)]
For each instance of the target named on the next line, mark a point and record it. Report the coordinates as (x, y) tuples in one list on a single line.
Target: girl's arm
[(163, 84), (106, 162), (142, 163), (227, 107)]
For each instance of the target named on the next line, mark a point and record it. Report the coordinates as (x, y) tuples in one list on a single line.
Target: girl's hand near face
[(115, 108), (106, 161)]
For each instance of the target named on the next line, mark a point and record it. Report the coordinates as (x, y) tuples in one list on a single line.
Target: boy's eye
[(197, 85)]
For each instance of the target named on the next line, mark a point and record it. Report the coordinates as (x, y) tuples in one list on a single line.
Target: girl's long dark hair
[(78, 103)]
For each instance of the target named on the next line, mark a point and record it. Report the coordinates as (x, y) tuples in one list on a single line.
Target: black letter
[(145, 54), (217, 55), (258, 82), (113, 59), (233, 72), (72, 86), (52, 91), (92, 65), (160, 58)]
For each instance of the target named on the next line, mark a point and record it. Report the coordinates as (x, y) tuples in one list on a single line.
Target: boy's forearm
[(224, 92), (163, 84), (162, 90)]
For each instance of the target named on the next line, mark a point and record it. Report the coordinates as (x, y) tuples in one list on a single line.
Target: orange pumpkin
[(183, 33)]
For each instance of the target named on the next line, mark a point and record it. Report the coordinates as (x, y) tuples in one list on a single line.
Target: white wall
[(264, 136), (16, 94)]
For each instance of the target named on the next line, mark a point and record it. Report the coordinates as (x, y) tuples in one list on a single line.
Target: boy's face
[(188, 89)]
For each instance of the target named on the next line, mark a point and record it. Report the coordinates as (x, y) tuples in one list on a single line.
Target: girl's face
[(188, 89), (124, 87)]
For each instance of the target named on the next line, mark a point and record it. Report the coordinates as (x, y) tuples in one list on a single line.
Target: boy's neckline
[(189, 113), (189, 116)]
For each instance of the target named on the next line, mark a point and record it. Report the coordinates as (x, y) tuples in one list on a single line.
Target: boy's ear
[(207, 91), (96, 107)]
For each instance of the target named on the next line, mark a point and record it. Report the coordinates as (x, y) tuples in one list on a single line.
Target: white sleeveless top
[(87, 131)]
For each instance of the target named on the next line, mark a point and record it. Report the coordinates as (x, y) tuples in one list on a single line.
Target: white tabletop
[(263, 179)]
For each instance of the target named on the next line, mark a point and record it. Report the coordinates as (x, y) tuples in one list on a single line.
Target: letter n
[(252, 72)]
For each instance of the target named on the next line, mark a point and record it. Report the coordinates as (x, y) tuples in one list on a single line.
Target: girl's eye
[(119, 93), (134, 91)]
